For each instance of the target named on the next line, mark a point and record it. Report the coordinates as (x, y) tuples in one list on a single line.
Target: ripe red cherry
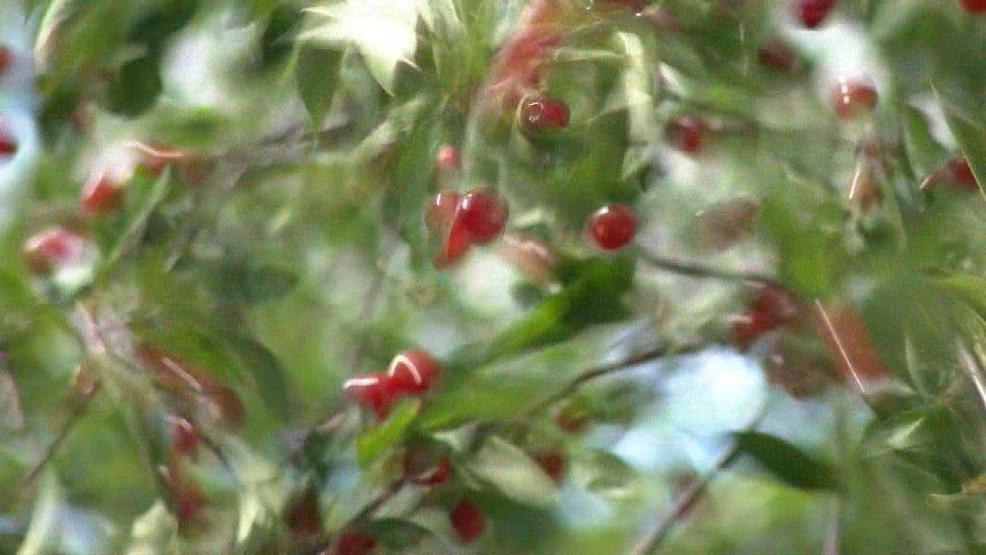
[(612, 226), (353, 543), (811, 13), (483, 215), (543, 113), (777, 55), (961, 172), (686, 133), (53, 247), (772, 308), (448, 158), (850, 98), (974, 6), (6, 58), (8, 144), (99, 195), (372, 391), (553, 464), (441, 211), (422, 468), (456, 244), (467, 520), (184, 437), (412, 372)]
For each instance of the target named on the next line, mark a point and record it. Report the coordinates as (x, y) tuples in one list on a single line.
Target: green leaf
[(383, 31), (785, 461), (376, 439), (396, 533), (243, 282), (316, 73), (136, 86), (275, 44), (267, 371), (967, 121), (516, 476)]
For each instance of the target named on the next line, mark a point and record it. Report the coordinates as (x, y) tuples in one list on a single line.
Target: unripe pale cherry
[(100, 195), (543, 114), (811, 13), (448, 158), (687, 133), (974, 6), (53, 248), (612, 227), (852, 97), (467, 520), (412, 372)]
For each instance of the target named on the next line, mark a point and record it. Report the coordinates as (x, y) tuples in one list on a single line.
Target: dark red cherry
[(441, 211), (777, 55), (811, 13), (974, 6), (543, 113), (571, 419), (612, 226), (6, 58), (772, 308), (372, 391), (425, 467), (850, 98), (448, 158), (353, 543), (412, 372), (184, 437), (303, 516), (53, 247), (8, 144), (686, 133), (467, 520), (100, 195), (961, 173), (483, 214), (553, 464)]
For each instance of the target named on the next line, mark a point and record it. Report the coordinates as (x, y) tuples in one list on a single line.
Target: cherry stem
[(78, 411), (651, 542)]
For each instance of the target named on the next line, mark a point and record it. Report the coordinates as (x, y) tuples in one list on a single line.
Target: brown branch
[(651, 542), (699, 271)]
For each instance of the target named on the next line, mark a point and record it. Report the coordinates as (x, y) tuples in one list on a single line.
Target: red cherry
[(777, 55), (974, 6), (188, 507), (772, 308), (53, 247), (571, 421), (749, 327), (225, 405), (372, 391), (8, 144), (184, 437), (811, 13), (467, 520), (6, 58), (553, 464), (612, 226), (99, 195), (353, 543), (456, 245), (412, 372), (543, 113), (448, 158), (686, 133), (483, 214), (441, 211), (303, 514), (850, 98), (961, 172), (421, 468)]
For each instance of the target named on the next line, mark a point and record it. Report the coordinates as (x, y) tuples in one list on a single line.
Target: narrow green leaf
[(376, 439), (516, 476), (785, 461), (968, 124), (316, 73)]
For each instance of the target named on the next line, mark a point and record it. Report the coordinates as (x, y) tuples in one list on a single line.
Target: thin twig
[(699, 271), (650, 543), (367, 511), (78, 411)]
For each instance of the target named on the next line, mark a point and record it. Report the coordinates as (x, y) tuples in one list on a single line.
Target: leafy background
[(288, 252)]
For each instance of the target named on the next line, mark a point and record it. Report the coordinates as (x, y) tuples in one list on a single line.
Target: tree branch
[(699, 271), (78, 411), (650, 543)]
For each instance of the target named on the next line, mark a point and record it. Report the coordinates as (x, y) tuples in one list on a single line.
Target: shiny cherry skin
[(613, 226)]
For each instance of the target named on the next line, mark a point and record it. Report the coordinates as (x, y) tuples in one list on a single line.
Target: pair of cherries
[(412, 372), (474, 218)]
